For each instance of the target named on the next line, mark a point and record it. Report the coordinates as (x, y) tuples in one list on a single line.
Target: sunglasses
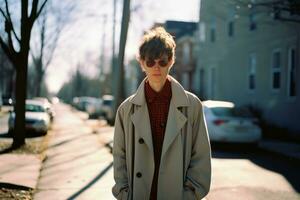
[(162, 63)]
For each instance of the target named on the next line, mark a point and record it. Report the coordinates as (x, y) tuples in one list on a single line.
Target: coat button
[(139, 174), (162, 125), (141, 141)]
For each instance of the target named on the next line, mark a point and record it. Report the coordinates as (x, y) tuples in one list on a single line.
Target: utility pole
[(113, 57), (119, 93), (103, 48), (113, 72)]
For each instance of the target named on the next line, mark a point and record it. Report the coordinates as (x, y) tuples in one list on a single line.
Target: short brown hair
[(155, 43)]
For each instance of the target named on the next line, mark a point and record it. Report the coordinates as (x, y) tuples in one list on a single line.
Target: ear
[(142, 68), (142, 64), (172, 62)]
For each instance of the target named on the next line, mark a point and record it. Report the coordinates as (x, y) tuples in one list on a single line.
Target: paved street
[(79, 166), (247, 173)]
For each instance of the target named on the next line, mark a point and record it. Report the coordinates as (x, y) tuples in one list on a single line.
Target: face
[(157, 70)]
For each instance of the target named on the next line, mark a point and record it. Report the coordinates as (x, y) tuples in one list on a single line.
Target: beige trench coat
[(185, 167)]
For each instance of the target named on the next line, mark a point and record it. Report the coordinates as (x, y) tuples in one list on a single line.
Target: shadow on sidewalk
[(287, 168), (91, 183)]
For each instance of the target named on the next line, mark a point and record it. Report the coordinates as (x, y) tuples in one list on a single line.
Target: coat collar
[(179, 96), (175, 122)]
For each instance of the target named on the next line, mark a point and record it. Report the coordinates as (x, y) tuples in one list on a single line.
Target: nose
[(156, 66)]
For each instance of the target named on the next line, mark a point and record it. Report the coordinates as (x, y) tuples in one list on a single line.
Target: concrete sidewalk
[(20, 170), (78, 164), (5, 109)]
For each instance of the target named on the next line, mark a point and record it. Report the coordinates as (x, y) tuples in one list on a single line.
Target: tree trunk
[(21, 85)]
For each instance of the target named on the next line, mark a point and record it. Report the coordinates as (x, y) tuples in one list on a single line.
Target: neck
[(157, 86)]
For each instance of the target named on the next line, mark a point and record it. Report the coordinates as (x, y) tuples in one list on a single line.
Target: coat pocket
[(188, 194), (123, 195)]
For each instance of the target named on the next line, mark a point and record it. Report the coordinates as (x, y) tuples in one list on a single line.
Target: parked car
[(36, 118), (7, 101), (94, 107), (107, 108), (91, 105), (227, 123), (47, 105)]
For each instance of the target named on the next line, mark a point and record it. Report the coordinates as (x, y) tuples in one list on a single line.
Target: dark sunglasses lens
[(163, 63), (150, 63)]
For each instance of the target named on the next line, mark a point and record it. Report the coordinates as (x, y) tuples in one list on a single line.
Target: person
[(161, 147)]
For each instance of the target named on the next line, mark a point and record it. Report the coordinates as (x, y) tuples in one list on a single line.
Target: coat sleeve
[(120, 189), (198, 177)]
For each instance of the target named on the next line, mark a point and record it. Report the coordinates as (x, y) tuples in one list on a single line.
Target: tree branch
[(4, 47), (33, 58), (2, 12), (9, 48), (11, 54), (34, 11), (24, 15), (41, 8), (10, 21)]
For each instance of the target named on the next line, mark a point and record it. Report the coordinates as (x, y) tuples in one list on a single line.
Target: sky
[(81, 43)]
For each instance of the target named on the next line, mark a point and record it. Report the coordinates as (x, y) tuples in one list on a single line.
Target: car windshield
[(231, 112), (34, 108), (107, 102)]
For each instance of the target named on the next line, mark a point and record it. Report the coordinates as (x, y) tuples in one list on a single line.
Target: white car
[(226, 123), (36, 118), (47, 105), (107, 108)]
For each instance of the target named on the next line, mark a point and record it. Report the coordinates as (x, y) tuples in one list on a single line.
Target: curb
[(282, 155), (15, 186)]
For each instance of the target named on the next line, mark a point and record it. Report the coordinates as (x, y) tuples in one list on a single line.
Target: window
[(252, 20), (231, 16), (202, 84), (185, 80), (212, 82), (186, 53), (252, 71), (276, 70), (212, 35), (230, 29), (202, 31), (213, 30), (291, 73)]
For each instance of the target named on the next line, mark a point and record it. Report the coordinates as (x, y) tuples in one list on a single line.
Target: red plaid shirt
[(158, 105)]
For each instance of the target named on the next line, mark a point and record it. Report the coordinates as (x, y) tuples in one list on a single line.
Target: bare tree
[(50, 26), (6, 75), (16, 47)]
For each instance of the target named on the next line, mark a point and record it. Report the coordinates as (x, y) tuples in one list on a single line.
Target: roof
[(180, 28)]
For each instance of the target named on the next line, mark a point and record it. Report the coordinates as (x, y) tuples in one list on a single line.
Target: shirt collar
[(179, 96), (163, 96)]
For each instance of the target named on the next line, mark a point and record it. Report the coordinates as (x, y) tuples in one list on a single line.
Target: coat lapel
[(141, 121), (176, 120)]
